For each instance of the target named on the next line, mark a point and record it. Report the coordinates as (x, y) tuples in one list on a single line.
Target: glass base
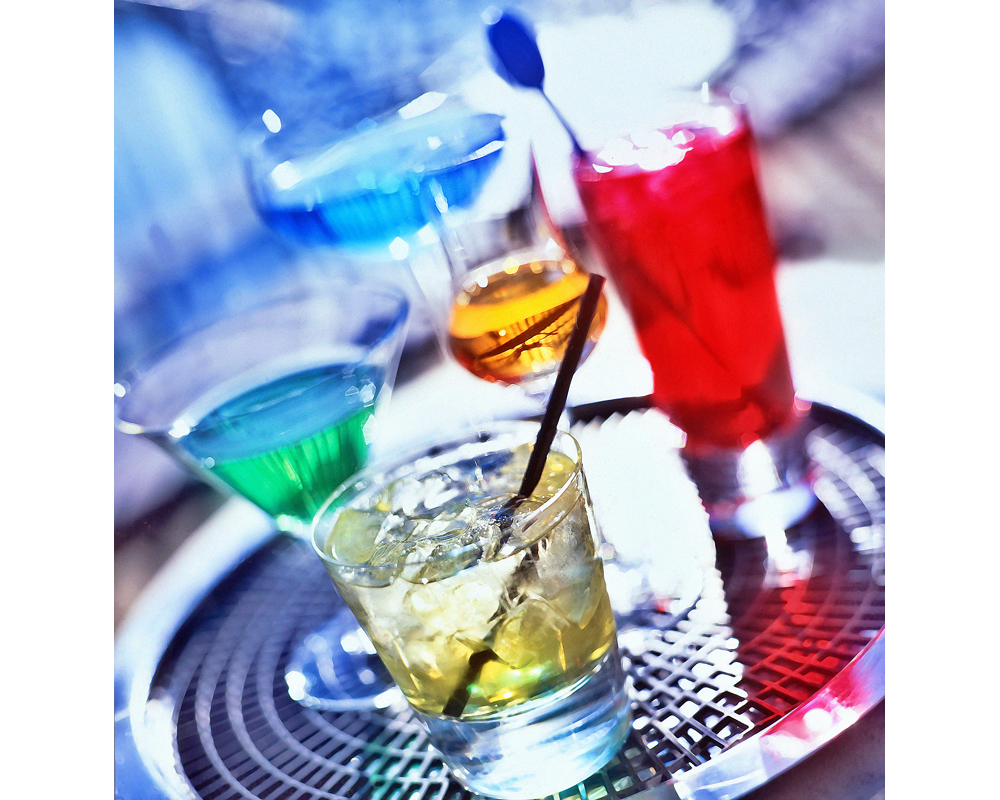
[(336, 669), (551, 745), (751, 492)]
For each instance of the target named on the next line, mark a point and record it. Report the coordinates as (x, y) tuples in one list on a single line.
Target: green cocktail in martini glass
[(278, 404)]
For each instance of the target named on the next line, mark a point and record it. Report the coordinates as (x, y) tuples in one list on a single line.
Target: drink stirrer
[(520, 62), (533, 472)]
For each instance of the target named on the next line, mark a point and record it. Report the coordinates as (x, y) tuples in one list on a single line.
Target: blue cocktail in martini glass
[(384, 179), (379, 189)]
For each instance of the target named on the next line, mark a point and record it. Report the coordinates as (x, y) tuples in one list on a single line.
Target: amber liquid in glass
[(511, 322), (443, 588)]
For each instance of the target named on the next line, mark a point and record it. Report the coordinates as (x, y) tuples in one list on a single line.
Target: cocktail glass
[(494, 621), (277, 403), (373, 189), (674, 210), (517, 290)]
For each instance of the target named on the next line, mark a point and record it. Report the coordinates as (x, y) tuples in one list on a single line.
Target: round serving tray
[(781, 649)]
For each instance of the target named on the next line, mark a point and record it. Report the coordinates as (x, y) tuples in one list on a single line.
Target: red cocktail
[(677, 216)]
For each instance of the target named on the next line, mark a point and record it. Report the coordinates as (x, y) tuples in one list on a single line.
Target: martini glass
[(278, 403), (374, 191)]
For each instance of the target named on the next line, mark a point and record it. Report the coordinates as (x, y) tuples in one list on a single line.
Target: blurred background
[(191, 76)]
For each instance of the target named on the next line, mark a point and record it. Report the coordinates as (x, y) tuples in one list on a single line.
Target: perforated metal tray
[(202, 709)]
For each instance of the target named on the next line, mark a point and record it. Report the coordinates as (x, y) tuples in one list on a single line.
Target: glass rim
[(439, 454), (256, 137), (538, 252), (661, 115), (334, 287)]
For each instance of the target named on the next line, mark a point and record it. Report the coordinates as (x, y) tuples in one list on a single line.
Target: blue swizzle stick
[(519, 61)]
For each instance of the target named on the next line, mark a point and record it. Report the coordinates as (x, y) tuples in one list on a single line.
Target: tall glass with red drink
[(675, 212)]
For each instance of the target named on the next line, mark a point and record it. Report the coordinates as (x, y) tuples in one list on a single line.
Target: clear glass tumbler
[(489, 610)]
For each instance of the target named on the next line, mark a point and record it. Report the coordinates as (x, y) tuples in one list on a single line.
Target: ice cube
[(354, 535), (436, 664), (576, 602), (461, 606), (563, 569), (440, 547), (405, 495), (568, 549), (449, 522), (423, 564), (429, 493), (394, 536), (460, 537), (529, 634)]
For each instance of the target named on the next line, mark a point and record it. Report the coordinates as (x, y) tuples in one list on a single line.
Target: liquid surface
[(458, 606), (513, 325), (287, 445), (680, 224), (384, 183)]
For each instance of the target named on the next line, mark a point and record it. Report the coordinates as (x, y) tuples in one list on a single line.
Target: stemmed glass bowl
[(516, 292), (278, 402), (369, 193)]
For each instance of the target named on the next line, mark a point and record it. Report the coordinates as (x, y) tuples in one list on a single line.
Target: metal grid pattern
[(775, 621)]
